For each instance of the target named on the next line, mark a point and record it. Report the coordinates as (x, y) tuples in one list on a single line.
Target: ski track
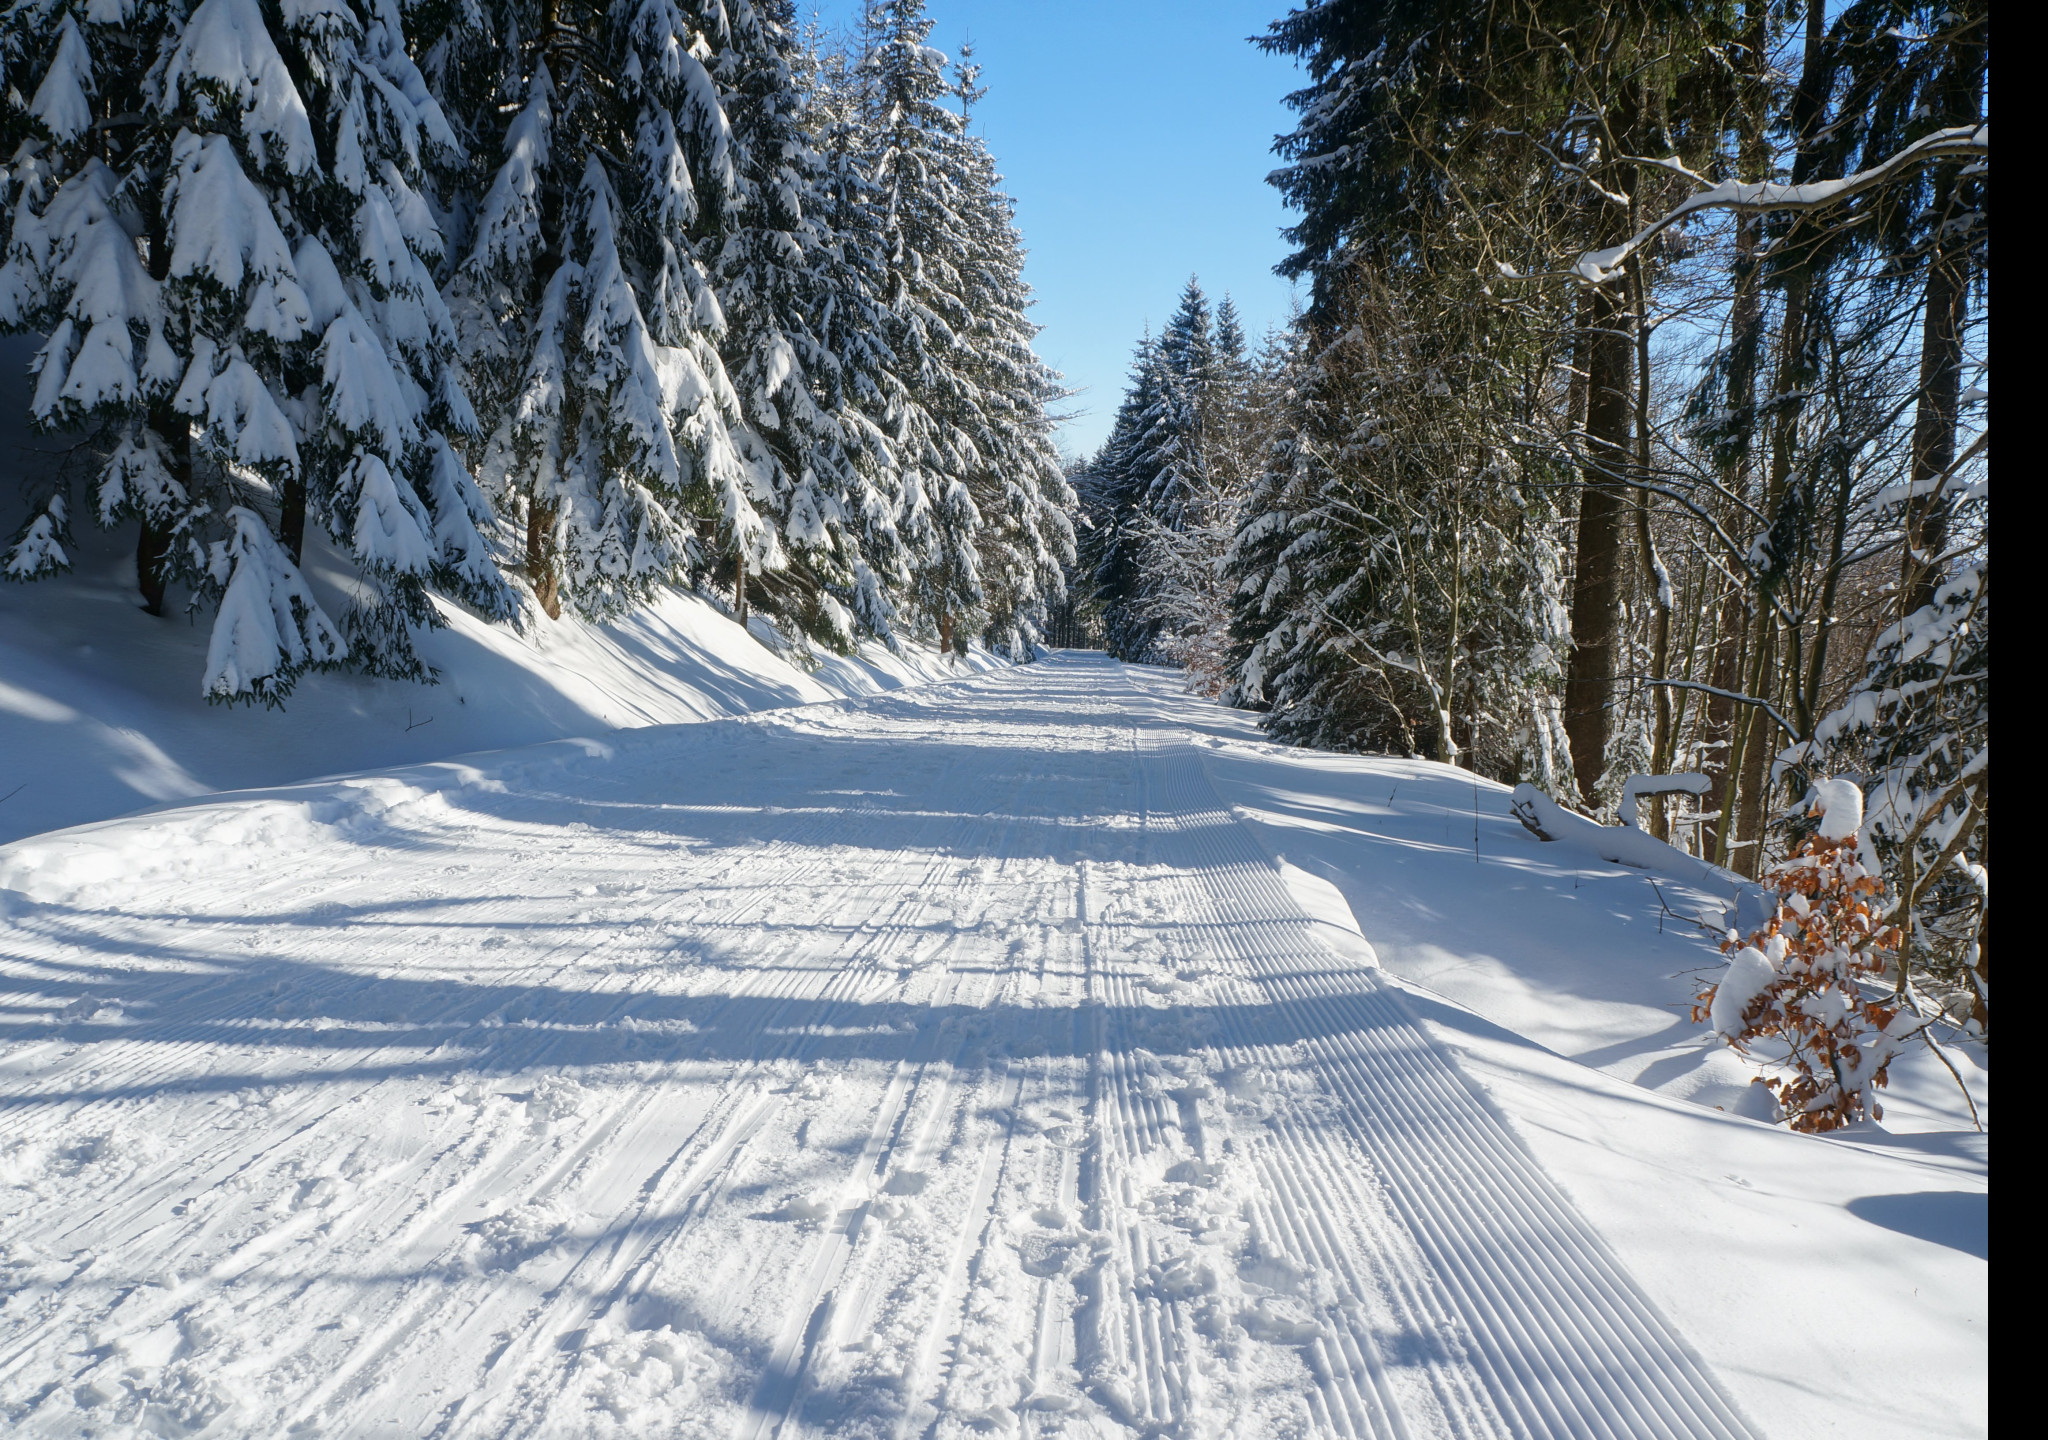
[(685, 1093)]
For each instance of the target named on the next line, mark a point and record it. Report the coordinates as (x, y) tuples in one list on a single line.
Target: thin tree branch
[(1736, 696)]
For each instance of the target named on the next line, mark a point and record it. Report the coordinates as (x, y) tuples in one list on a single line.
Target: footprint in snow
[(510, 1238), (805, 1209), (1047, 1253)]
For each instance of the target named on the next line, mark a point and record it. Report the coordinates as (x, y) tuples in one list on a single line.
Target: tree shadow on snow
[(1959, 1219)]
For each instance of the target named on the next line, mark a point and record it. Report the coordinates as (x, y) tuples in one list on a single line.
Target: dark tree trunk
[(152, 548), (1745, 336), (1656, 578), (1757, 738), (292, 520), (153, 543), (1979, 1010), (1944, 318), (1718, 728), (1756, 735), (540, 567), (1598, 569), (1575, 389)]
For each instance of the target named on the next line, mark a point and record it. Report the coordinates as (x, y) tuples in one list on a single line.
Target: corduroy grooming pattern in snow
[(1509, 1315)]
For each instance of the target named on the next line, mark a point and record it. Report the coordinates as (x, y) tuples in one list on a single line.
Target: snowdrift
[(101, 712)]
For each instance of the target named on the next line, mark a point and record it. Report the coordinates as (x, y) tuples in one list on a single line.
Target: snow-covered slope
[(960, 1061), (1594, 960), (101, 711)]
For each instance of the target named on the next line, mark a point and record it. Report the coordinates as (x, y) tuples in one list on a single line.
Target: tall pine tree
[(803, 317), (1019, 485), (912, 157), (580, 286)]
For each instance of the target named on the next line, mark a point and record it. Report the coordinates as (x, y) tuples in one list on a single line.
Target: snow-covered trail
[(946, 1063)]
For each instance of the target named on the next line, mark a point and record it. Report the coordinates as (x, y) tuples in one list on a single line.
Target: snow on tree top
[(60, 101), (222, 227), (226, 51), (1840, 804)]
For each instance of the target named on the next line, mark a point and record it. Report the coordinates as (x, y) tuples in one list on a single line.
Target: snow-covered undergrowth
[(966, 1060)]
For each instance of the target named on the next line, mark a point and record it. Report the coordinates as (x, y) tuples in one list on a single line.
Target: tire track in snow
[(868, 947), (1308, 1215), (1132, 1350), (822, 1315), (665, 1220), (323, 1104), (172, 1046)]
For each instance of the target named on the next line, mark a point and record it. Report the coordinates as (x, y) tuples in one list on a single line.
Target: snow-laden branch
[(1891, 495), (1737, 696), (1757, 197)]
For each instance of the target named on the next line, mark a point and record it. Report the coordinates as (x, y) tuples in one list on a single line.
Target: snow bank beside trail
[(101, 713), (1618, 844), (247, 832), (250, 831), (1593, 945)]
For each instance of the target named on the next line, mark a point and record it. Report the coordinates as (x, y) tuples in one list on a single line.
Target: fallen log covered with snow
[(1619, 844)]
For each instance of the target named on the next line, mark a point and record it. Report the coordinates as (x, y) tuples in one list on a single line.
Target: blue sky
[(1136, 136)]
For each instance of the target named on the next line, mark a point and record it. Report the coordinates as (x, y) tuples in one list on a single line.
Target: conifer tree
[(854, 325), (695, 304), (1175, 445), (912, 158), (1019, 485), (803, 341), (216, 219), (1159, 475), (1231, 423), (1113, 490), (1396, 574), (580, 285)]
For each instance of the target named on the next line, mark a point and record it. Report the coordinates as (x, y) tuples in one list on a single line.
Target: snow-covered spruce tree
[(1232, 425), (588, 318), (804, 341), (1396, 570), (1258, 575), (912, 156), (1175, 442), (214, 215), (1166, 467), (1019, 485), (1187, 592), (853, 326), (1187, 598), (1112, 491)]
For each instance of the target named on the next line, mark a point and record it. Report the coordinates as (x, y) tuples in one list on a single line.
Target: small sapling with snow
[(1805, 979)]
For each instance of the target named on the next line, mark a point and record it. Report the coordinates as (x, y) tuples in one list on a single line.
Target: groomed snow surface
[(993, 1057)]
